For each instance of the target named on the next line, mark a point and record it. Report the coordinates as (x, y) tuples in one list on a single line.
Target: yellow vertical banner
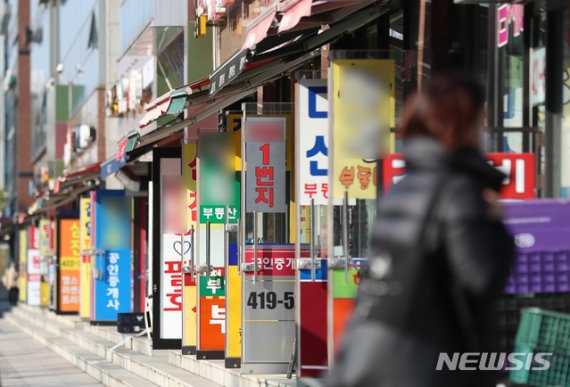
[(233, 279), (46, 252), (23, 261), (363, 113), (85, 264), (189, 295)]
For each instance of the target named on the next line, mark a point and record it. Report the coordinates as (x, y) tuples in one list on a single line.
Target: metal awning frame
[(289, 59)]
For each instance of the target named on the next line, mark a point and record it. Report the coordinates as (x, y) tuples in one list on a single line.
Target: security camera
[(59, 68), (50, 83)]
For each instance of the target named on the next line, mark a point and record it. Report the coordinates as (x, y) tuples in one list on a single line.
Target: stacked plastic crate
[(510, 307), (546, 334), (540, 276)]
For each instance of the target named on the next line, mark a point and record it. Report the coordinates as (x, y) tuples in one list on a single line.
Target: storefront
[(527, 87), (250, 192)]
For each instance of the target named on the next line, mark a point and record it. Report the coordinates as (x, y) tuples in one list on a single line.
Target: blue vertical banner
[(112, 267)]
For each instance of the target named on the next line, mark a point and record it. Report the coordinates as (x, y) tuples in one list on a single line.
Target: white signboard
[(538, 76), (172, 225), (34, 267), (171, 285), (311, 125)]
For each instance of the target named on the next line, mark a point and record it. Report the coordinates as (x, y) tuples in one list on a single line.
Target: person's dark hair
[(445, 109)]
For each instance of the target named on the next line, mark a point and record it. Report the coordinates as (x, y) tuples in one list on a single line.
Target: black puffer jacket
[(440, 259)]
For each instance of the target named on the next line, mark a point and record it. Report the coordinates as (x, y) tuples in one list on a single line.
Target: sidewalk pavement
[(26, 362)]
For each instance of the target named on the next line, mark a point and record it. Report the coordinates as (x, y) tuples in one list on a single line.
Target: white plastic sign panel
[(34, 274), (312, 127), (172, 248), (171, 287)]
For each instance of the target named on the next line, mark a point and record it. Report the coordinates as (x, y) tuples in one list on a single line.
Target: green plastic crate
[(558, 375), (544, 329)]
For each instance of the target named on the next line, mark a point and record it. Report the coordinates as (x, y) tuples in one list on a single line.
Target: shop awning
[(171, 103), (293, 14), (258, 32), (66, 189), (62, 198), (261, 67), (91, 172), (229, 71), (111, 166)]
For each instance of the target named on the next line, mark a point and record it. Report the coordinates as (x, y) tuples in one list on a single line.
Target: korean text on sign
[(112, 273), (519, 169), (312, 141), (265, 155)]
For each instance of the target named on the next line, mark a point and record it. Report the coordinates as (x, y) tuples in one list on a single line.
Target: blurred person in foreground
[(10, 282), (440, 252)]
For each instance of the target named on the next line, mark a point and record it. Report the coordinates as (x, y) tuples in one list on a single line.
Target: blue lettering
[(313, 92)]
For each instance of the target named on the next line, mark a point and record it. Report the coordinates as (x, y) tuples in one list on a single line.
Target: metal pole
[(227, 237), (554, 88), (493, 103), (287, 223), (254, 246), (312, 239), (182, 248), (239, 246), (208, 249), (345, 235), (192, 263)]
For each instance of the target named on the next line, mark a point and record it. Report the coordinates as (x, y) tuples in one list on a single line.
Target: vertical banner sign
[(218, 189), (233, 278), (189, 295), (174, 247), (343, 299), (69, 257), (363, 112), (265, 155), (219, 186), (363, 109), (312, 127), (312, 320), (23, 247), (171, 285), (46, 253), (85, 264), (34, 267), (112, 267), (311, 139), (44, 237), (233, 307), (269, 310)]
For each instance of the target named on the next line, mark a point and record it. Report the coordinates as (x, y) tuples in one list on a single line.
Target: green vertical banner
[(220, 185), (218, 196)]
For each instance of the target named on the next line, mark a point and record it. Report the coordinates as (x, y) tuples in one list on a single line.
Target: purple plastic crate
[(541, 231), (540, 272)]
